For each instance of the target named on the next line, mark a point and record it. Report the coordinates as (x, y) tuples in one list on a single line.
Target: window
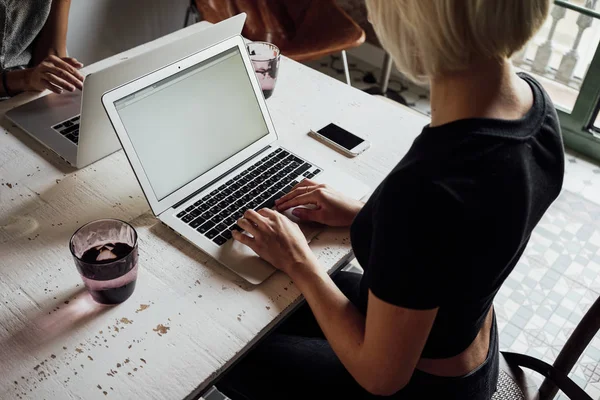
[(564, 57)]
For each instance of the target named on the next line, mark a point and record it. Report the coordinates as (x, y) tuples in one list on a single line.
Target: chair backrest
[(574, 348), (514, 385), (274, 21), (357, 10)]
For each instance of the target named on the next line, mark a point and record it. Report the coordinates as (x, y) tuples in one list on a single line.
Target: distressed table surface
[(189, 317)]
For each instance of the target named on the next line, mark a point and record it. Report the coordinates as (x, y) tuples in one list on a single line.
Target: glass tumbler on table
[(106, 255), (265, 59)]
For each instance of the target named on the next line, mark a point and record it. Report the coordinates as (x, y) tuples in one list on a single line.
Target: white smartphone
[(341, 140)]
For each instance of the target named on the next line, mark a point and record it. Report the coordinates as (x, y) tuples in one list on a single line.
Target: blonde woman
[(439, 235)]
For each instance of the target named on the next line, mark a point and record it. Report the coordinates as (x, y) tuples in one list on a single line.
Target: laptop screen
[(190, 122)]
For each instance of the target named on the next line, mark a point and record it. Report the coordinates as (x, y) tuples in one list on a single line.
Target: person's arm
[(329, 207), (52, 40), (51, 68), (54, 73), (381, 352), (13, 82), (410, 247)]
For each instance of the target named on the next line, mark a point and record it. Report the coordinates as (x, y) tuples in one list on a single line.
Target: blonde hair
[(427, 38)]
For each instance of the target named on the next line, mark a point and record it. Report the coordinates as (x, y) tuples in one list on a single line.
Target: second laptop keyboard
[(257, 187), (69, 129)]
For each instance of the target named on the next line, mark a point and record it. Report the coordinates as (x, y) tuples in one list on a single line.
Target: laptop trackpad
[(243, 260)]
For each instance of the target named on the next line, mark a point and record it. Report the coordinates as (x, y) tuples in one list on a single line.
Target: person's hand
[(330, 207), (55, 73), (276, 239)]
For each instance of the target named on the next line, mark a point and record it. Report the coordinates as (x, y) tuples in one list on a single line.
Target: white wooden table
[(189, 318)]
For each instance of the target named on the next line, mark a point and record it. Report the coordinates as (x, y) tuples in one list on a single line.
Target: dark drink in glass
[(106, 256), (265, 59)]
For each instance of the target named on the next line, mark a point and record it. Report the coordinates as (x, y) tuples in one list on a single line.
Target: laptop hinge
[(220, 177)]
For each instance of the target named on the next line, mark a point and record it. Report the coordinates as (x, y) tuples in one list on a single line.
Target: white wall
[(101, 28)]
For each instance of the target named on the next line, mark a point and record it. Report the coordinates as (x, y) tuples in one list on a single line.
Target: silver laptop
[(75, 126), (202, 145)]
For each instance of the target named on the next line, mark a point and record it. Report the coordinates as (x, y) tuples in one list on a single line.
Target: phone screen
[(341, 136)]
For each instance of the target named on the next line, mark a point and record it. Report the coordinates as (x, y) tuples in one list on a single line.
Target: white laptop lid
[(96, 137), (187, 124)]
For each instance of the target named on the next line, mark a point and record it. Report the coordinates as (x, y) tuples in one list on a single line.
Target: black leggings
[(297, 362)]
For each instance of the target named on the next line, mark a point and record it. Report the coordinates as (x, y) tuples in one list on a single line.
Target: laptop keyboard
[(215, 215), (69, 129)]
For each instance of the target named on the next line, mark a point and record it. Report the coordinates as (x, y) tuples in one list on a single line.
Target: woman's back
[(442, 232), (452, 219)]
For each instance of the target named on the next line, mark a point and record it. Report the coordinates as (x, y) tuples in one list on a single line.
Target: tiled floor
[(558, 277), (553, 285)]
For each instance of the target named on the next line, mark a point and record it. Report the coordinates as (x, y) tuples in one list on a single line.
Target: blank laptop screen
[(190, 122)]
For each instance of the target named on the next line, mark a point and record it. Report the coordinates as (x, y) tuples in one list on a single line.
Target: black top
[(449, 223)]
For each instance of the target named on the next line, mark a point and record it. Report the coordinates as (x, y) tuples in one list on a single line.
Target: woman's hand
[(276, 239), (331, 208), (55, 73)]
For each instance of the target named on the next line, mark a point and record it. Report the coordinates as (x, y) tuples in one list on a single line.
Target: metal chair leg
[(576, 344), (384, 88), (346, 67), (191, 10), (386, 73), (187, 16)]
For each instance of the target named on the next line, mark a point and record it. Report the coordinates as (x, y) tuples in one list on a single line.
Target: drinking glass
[(265, 58), (106, 255)]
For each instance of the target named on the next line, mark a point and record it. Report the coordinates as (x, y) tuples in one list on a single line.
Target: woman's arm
[(51, 68), (330, 208), (13, 82), (381, 352), (54, 73), (52, 40)]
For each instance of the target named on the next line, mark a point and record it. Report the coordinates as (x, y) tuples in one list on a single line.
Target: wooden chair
[(303, 30), (514, 385)]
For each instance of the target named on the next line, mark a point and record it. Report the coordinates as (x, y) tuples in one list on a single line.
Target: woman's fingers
[(243, 239), (255, 218), (248, 226), (300, 188), (73, 61), (61, 83), (305, 182), (67, 76), (67, 64), (51, 87), (58, 81), (61, 78), (299, 200), (306, 214), (70, 72), (294, 193), (268, 213)]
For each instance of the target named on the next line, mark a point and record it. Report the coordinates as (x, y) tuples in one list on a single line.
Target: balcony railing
[(561, 53)]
